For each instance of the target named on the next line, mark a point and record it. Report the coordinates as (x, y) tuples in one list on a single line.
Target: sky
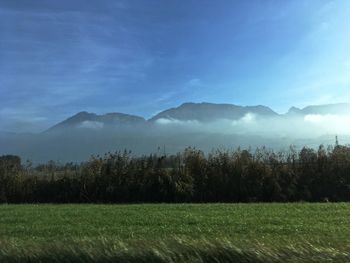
[(58, 58)]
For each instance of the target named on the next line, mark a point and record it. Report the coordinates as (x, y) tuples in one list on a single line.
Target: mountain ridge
[(211, 111), (334, 108), (104, 119), (84, 133), (189, 111)]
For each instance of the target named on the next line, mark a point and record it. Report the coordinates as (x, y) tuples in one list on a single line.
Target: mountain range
[(201, 112), (204, 125)]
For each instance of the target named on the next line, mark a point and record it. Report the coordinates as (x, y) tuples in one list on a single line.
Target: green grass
[(175, 233)]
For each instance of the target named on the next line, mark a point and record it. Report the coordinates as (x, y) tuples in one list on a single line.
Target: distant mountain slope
[(206, 112), (91, 120), (202, 112), (339, 109), (83, 134)]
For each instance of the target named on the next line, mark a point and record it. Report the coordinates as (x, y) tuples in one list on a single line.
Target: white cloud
[(314, 118), (328, 123), (308, 126), (195, 82), (248, 118), (171, 121), (95, 125), (164, 121)]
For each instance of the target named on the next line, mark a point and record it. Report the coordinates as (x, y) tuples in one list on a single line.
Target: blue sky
[(140, 57)]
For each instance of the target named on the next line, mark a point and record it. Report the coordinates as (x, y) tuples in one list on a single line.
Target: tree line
[(236, 175)]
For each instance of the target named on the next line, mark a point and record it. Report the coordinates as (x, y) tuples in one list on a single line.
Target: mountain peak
[(294, 110), (83, 113), (82, 118)]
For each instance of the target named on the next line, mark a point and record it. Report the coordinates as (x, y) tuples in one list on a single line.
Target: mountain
[(93, 121), (201, 112), (83, 134), (294, 111), (336, 109), (206, 112)]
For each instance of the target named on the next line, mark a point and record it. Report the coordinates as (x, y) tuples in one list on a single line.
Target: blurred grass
[(300, 232)]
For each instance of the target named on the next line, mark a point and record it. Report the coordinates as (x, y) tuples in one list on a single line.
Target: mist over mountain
[(207, 112), (335, 109), (203, 125), (93, 121)]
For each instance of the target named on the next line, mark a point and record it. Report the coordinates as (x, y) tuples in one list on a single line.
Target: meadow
[(298, 232)]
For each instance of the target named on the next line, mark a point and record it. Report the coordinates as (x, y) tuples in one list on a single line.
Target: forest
[(260, 175)]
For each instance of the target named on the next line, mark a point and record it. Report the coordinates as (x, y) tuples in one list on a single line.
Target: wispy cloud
[(59, 57), (195, 82)]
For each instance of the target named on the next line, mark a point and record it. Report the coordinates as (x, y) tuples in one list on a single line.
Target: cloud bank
[(308, 126)]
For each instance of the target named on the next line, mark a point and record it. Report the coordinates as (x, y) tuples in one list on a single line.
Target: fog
[(167, 135), (294, 127)]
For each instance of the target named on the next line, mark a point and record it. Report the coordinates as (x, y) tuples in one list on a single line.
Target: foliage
[(190, 176)]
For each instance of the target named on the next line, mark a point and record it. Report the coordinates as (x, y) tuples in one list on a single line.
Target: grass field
[(175, 233)]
